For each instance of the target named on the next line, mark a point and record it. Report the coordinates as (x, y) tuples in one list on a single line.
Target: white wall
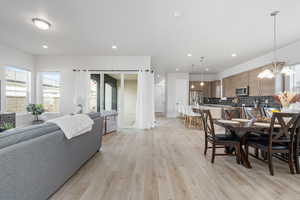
[(130, 95), (65, 65), (177, 88), (12, 57), (160, 95), (288, 54), (204, 77)]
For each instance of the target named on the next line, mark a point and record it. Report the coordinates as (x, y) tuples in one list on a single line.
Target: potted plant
[(5, 126), (35, 110)]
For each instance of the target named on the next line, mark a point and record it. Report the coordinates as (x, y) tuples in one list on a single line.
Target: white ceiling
[(211, 28)]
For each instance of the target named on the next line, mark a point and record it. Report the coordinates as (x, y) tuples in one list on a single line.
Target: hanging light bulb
[(193, 86), (287, 71), (201, 73)]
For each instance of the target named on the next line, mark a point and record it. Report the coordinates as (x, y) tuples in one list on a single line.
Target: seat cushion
[(257, 137), (264, 144), (225, 138)]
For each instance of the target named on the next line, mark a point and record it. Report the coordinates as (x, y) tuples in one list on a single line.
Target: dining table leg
[(244, 158)]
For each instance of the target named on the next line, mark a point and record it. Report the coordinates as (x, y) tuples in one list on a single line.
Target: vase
[(285, 109)]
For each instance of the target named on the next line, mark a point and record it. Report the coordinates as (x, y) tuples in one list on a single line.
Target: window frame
[(29, 86), (41, 92), (291, 78)]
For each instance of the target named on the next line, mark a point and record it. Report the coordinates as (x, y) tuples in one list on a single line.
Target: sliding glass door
[(115, 91)]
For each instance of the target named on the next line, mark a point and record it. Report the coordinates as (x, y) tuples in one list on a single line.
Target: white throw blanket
[(73, 125)]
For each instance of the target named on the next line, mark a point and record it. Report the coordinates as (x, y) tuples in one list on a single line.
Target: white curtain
[(82, 90), (145, 118)]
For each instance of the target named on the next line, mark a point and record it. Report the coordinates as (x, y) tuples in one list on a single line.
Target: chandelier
[(276, 65)]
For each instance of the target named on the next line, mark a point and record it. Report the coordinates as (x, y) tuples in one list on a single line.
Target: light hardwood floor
[(167, 163)]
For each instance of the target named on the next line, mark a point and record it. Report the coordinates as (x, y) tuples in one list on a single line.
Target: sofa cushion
[(18, 135)]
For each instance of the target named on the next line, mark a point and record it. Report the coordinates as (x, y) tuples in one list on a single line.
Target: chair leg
[(290, 159), (237, 152), (296, 156), (205, 146), (247, 151), (296, 160), (270, 162), (256, 153), (263, 154), (213, 153)]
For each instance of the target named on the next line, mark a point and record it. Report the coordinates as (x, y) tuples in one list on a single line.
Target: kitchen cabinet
[(216, 89), (257, 87), (205, 89)]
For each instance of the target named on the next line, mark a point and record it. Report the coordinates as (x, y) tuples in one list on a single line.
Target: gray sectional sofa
[(35, 161)]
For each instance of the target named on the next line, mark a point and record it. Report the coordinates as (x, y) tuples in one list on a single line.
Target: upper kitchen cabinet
[(260, 87), (216, 89), (257, 87), (205, 89), (228, 87)]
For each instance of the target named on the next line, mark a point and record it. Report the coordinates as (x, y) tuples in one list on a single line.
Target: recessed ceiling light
[(233, 55), (206, 69), (45, 46), (41, 24), (177, 14), (189, 55), (177, 69), (114, 47)]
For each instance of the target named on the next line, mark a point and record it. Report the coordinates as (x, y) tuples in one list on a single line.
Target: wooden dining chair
[(217, 140), (297, 146), (268, 112), (253, 113), (231, 113), (280, 139)]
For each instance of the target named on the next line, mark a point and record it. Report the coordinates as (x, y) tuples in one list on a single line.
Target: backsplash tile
[(246, 101)]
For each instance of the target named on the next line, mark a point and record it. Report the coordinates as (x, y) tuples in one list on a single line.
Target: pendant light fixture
[(276, 65), (201, 73), (192, 86)]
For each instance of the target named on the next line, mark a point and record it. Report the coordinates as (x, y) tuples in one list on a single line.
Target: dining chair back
[(268, 112), (285, 134), (231, 113), (208, 124), (252, 113)]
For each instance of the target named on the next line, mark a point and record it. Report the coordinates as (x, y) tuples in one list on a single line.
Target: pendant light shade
[(267, 73)]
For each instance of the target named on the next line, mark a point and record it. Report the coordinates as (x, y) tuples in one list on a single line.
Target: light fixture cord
[(275, 43)]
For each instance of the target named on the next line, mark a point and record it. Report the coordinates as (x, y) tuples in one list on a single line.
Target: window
[(93, 95), (17, 92), (294, 80), (51, 91), (108, 97)]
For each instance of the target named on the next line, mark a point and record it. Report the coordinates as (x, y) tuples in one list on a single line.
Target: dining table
[(241, 128)]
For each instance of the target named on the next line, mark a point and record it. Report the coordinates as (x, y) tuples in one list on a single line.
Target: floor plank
[(167, 163)]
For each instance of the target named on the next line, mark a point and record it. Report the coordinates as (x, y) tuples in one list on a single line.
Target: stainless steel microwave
[(242, 91)]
